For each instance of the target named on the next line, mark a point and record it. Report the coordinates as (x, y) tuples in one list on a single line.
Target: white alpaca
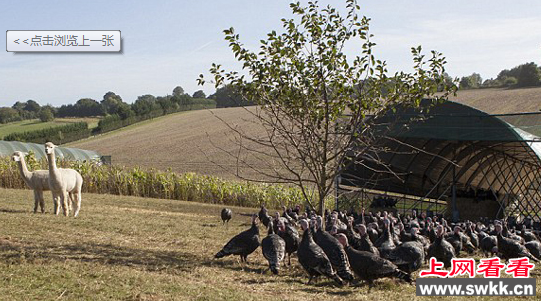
[(37, 180), (63, 182)]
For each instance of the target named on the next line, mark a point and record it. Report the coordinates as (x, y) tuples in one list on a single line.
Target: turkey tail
[(403, 276), (220, 254)]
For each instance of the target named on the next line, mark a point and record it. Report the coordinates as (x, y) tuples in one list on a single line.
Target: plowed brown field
[(189, 141)]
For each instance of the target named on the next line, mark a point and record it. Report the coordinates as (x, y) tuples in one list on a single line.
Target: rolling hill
[(190, 141), (183, 142), (502, 101)]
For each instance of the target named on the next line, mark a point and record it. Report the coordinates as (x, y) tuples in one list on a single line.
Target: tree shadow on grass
[(12, 211), (32, 123), (234, 265), (105, 254), (321, 288)]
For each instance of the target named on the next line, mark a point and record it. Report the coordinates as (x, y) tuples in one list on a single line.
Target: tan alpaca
[(63, 182), (37, 180)]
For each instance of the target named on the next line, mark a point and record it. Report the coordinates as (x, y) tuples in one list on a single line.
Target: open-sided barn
[(456, 153)]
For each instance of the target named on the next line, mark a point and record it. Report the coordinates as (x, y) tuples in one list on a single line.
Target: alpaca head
[(17, 156), (49, 148)]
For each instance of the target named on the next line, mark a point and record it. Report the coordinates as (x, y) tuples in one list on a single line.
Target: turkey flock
[(369, 246)]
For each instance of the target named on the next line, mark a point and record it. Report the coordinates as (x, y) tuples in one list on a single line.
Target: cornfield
[(119, 180)]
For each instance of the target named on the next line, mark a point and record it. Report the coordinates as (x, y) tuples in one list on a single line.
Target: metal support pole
[(336, 186), (453, 200)]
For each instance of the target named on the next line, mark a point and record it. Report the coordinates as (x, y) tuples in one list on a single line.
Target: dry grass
[(128, 248)]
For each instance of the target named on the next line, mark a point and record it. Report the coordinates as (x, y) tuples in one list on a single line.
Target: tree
[(178, 91), (528, 75), (473, 81), (19, 106), (145, 104), (448, 81), (32, 106), (229, 96), (167, 104), (491, 83), (111, 103), (8, 115), (510, 82), (46, 114), (124, 111), (525, 75), (199, 94), (305, 85), (87, 107)]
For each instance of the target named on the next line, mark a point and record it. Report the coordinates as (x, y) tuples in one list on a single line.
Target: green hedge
[(58, 135), (114, 122)]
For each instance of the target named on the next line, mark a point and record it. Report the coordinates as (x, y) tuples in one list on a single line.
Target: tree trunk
[(322, 208)]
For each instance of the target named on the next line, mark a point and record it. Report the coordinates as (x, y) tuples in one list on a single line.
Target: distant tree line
[(228, 96), (525, 75), (26, 110), (144, 107)]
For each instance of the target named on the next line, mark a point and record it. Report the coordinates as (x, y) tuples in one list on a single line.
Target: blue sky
[(169, 43)]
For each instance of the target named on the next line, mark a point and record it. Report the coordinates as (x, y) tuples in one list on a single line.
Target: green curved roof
[(425, 150), (453, 121), (7, 148)]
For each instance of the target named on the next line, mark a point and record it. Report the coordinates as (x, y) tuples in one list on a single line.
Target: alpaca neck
[(24, 171), (52, 163)]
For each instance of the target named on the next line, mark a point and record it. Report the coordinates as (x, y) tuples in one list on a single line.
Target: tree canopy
[(313, 100)]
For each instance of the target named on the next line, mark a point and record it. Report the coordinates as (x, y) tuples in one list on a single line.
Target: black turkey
[(509, 234), (264, 216), (534, 247), (409, 256), (528, 236), (353, 237), (441, 249), (243, 244), (365, 244), (274, 249), (369, 267), (455, 240), (474, 238), (404, 236), (226, 215), (510, 248), (489, 244), (313, 259), (385, 242), (334, 251), (425, 242), (287, 216), (291, 237)]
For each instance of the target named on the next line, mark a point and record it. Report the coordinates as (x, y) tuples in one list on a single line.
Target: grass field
[(36, 124), (127, 248)]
